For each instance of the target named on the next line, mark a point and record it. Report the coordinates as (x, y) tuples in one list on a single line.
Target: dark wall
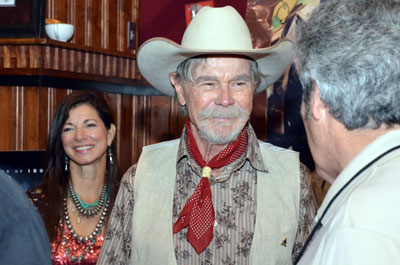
[(167, 18)]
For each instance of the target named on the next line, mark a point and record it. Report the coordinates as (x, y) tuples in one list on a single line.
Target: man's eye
[(207, 85), (240, 84)]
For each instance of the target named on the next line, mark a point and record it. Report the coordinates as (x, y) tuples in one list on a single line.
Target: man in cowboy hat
[(217, 195), (348, 58)]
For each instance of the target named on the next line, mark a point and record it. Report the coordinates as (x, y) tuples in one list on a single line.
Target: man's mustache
[(219, 112)]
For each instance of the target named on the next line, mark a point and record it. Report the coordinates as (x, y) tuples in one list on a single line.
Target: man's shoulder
[(273, 148)]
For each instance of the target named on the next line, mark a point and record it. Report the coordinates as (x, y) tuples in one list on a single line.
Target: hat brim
[(158, 57)]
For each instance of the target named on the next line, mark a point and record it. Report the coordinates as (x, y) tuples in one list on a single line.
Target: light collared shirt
[(362, 226)]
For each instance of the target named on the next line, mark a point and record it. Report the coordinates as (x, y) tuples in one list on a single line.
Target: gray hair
[(186, 69), (351, 50)]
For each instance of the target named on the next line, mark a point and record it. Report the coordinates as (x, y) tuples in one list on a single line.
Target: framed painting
[(22, 18)]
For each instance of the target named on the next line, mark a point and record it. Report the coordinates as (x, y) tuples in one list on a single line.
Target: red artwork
[(192, 9)]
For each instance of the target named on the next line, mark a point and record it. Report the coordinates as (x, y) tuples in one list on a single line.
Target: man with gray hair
[(348, 59), (217, 195)]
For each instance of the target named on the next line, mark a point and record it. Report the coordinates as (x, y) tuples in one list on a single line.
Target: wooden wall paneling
[(65, 59), (134, 72), (31, 122), (57, 96), (127, 132), (104, 26), (125, 73), (87, 62), (114, 100), (120, 67), (121, 25), (111, 26), (95, 21), (94, 65), (44, 116), (14, 54), (21, 59), (7, 118), (101, 66), (106, 65), (139, 127), (127, 9), (1, 56), (114, 66), (79, 13), (158, 118), (71, 61), (47, 59), (18, 118), (6, 55), (77, 55), (55, 60), (98, 23), (147, 107), (35, 53), (58, 9)]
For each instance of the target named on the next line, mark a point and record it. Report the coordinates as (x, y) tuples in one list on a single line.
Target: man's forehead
[(228, 64)]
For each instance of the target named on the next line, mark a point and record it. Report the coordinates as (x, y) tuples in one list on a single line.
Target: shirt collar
[(368, 154)]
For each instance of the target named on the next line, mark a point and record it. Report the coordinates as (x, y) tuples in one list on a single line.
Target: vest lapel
[(277, 208), (152, 215)]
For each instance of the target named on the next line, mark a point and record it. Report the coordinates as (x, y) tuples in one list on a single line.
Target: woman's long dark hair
[(55, 178)]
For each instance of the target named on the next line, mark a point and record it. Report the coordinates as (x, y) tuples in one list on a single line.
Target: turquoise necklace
[(87, 209)]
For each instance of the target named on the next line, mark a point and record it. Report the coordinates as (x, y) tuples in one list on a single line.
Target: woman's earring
[(110, 155), (66, 162)]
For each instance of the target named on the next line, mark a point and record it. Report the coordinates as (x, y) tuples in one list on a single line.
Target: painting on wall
[(269, 22), (22, 19)]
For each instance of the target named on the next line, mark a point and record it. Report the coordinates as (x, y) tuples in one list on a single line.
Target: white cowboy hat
[(212, 31)]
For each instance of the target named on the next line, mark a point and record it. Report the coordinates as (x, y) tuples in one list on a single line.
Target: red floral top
[(65, 248)]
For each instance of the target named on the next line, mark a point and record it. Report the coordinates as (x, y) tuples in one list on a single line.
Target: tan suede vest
[(278, 193)]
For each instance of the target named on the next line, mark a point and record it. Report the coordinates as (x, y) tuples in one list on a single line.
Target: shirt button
[(215, 223)]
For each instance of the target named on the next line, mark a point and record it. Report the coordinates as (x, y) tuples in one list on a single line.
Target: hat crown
[(217, 29)]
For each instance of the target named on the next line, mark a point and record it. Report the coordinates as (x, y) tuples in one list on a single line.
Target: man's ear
[(319, 109), (178, 88)]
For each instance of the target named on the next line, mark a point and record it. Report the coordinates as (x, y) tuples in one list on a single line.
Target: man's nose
[(224, 97)]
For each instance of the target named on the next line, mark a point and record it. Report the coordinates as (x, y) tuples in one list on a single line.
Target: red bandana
[(198, 212)]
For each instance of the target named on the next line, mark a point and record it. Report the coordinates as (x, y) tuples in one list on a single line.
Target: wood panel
[(101, 24), (6, 119), (140, 120), (50, 58)]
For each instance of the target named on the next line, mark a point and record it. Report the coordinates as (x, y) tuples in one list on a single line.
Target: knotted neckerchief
[(198, 212)]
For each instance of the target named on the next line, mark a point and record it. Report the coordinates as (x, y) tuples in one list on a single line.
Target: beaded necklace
[(87, 209), (91, 239)]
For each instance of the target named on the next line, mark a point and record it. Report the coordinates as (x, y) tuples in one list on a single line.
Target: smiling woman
[(85, 137), (81, 178)]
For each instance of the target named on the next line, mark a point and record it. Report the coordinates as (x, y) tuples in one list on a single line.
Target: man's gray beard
[(215, 136)]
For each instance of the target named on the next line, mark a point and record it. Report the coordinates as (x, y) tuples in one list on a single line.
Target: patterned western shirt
[(234, 198)]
